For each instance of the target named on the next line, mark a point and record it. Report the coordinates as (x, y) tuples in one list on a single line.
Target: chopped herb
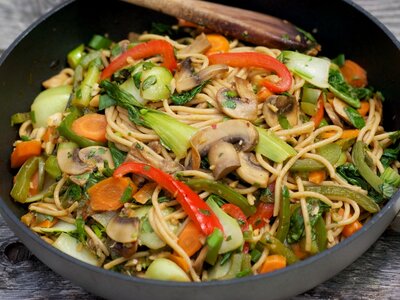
[(225, 258), (231, 104), (127, 195), (146, 168), (231, 94), (308, 35), (137, 79), (25, 138), (74, 192), (117, 155), (283, 121), (149, 81), (80, 229), (138, 146), (205, 212), (185, 97), (228, 238), (147, 65)]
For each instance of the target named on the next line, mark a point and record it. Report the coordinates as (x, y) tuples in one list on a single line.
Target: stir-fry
[(199, 158)]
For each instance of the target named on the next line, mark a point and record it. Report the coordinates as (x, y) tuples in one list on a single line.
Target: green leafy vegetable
[(117, 155), (185, 97), (339, 60), (390, 155), (390, 176), (283, 121), (106, 101), (355, 118), (127, 195), (80, 229)]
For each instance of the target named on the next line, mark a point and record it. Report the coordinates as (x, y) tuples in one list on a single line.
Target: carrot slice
[(190, 239), (263, 94), (364, 108), (354, 74), (144, 194), (48, 135), (350, 229), (317, 176), (184, 23), (179, 261), (296, 248), (23, 151), (91, 126), (272, 263), (47, 223), (347, 134), (219, 44), (106, 195)]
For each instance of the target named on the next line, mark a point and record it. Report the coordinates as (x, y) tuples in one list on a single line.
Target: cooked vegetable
[(257, 60), (219, 44), (165, 269), (351, 228), (49, 102), (354, 74), (52, 168), (23, 151), (190, 238), (276, 247), (84, 93), (98, 42), (284, 216), (75, 56), (280, 108), (263, 213), (273, 263), (19, 118), (91, 126), (156, 84), (214, 243), (312, 69)]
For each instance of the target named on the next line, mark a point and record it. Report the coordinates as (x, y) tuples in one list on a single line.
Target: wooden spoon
[(249, 26)]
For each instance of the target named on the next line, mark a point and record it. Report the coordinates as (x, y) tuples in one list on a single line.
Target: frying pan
[(341, 27)]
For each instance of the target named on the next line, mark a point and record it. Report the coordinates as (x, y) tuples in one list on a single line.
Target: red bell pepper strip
[(317, 118), (198, 210), (264, 212), (257, 60), (144, 50), (236, 213)]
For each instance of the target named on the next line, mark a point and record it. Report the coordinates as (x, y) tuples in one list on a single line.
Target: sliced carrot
[(354, 74), (263, 94), (91, 126), (317, 176), (348, 230), (347, 134), (219, 44), (272, 263), (106, 195), (364, 108), (23, 151), (179, 261), (34, 184), (190, 239), (300, 253), (48, 135), (184, 23), (341, 212), (144, 194), (47, 223)]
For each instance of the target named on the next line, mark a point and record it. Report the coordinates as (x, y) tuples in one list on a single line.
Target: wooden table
[(376, 275)]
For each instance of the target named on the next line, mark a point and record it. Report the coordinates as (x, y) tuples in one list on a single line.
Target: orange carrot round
[(273, 263), (91, 126), (350, 229), (354, 74), (23, 151), (317, 176), (219, 44), (106, 195), (189, 239), (364, 108)]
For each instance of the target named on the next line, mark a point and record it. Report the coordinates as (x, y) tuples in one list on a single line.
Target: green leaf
[(117, 155), (80, 229), (185, 97), (355, 118), (283, 121), (127, 195), (390, 155), (339, 60), (106, 101)]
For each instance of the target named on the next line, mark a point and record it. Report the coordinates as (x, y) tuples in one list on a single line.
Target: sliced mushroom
[(185, 79), (199, 45), (280, 105), (243, 106), (241, 133), (139, 152), (97, 156), (223, 159), (123, 229), (68, 159), (339, 107), (251, 171), (332, 115)]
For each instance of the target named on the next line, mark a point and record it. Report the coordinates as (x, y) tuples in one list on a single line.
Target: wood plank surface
[(376, 275)]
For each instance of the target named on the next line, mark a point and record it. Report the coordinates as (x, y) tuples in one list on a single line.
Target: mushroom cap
[(241, 133), (251, 171), (96, 156), (123, 229), (68, 159), (223, 159), (283, 105), (339, 107), (243, 106)]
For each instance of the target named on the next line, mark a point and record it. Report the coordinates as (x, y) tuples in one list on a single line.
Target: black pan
[(40, 52)]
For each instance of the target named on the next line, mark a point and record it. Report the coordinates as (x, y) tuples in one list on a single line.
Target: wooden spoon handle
[(246, 25)]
